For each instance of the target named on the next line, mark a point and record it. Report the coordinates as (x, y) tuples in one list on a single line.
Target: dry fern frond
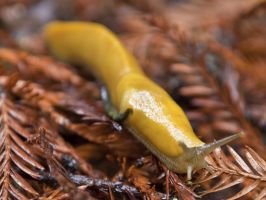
[(21, 165), (248, 172), (31, 66), (45, 101), (16, 160), (249, 31), (86, 124), (68, 182)]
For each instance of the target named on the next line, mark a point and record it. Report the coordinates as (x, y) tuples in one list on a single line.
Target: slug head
[(194, 158)]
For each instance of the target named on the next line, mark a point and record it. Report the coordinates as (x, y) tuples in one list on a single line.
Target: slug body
[(157, 121)]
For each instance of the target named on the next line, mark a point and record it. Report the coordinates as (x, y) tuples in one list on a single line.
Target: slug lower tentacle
[(155, 118)]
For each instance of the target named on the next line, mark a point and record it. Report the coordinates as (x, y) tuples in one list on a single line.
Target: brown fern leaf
[(17, 159), (247, 172), (69, 182), (35, 96), (16, 164), (30, 67), (88, 124), (248, 79), (249, 30)]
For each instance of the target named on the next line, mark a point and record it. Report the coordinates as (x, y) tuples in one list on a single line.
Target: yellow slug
[(155, 118)]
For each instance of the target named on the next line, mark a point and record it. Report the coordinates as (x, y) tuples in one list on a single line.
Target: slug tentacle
[(208, 148), (194, 158)]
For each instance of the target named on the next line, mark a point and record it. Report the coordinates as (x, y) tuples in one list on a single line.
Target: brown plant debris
[(56, 141), (249, 171), (16, 157)]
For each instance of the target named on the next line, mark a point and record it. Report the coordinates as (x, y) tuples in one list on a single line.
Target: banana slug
[(156, 119)]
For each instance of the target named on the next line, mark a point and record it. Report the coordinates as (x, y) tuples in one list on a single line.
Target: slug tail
[(208, 148)]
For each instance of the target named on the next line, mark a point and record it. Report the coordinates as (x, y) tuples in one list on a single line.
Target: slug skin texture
[(157, 120)]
